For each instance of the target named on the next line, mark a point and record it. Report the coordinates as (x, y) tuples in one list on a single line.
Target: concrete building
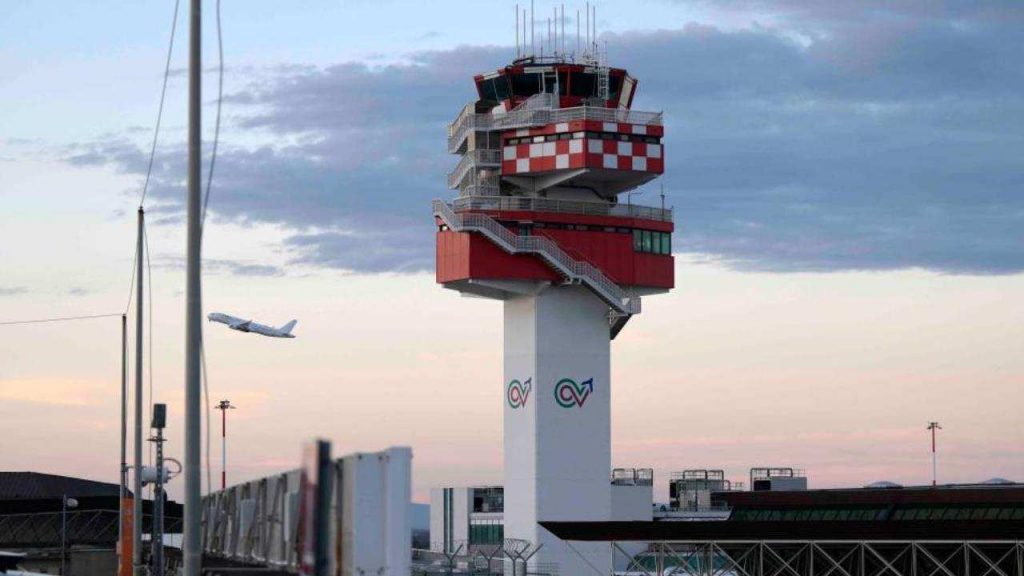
[(473, 516)]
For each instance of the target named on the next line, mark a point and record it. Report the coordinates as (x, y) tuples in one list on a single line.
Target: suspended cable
[(206, 392), (216, 127), (62, 319), (131, 284), (160, 110), (202, 225)]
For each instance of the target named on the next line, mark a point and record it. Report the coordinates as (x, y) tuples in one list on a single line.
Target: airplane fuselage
[(243, 325)]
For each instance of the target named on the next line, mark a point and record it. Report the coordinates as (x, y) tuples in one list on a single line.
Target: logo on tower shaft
[(568, 393), (518, 392)]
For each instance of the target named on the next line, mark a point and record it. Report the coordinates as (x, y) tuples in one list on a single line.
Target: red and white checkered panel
[(582, 152), (589, 126)]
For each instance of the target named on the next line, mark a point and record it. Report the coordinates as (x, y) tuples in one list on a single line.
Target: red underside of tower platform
[(465, 255)]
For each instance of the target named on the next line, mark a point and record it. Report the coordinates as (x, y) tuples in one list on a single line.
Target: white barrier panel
[(256, 523)]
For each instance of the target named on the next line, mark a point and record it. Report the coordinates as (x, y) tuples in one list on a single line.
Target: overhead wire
[(160, 109), (60, 319)]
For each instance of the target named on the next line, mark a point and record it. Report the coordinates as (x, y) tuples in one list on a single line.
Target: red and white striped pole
[(224, 406)]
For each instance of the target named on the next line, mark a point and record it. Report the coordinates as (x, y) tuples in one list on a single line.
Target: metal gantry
[(821, 558)]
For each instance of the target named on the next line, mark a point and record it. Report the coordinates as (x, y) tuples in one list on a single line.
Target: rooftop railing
[(528, 204), (468, 119)]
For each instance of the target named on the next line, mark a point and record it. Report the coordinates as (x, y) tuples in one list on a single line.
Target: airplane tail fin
[(287, 328)]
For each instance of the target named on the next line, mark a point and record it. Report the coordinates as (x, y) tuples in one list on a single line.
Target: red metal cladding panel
[(464, 255), (613, 254)]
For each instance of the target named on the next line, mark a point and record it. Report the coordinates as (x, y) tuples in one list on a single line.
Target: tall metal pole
[(193, 303), (63, 533), (137, 568), (123, 472), (933, 426), (223, 449)]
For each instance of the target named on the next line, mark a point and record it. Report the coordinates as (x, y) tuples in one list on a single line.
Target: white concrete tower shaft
[(557, 419)]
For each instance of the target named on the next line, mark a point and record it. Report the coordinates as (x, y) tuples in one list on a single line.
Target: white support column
[(557, 414)]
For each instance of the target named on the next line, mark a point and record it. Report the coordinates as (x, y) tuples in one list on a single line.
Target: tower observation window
[(652, 242), (495, 89), (525, 84), (583, 85), (614, 86)]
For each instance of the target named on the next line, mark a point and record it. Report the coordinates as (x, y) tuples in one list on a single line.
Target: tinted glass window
[(646, 241), (563, 83), (582, 85), (638, 243), (487, 90), (614, 85), (666, 244), (525, 84)]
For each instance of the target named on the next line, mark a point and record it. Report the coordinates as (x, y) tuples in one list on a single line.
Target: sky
[(847, 186)]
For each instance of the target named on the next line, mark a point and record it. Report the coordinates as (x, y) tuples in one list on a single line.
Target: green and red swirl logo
[(518, 393), (568, 393)]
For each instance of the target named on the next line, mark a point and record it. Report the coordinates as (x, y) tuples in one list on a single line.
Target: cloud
[(222, 266), (12, 290), (57, 392), (866, 136), (78, 291)]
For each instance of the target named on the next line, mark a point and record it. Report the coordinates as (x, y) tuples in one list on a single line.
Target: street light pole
[(933, 426), (224, 406), (65, 503), (123, 473)]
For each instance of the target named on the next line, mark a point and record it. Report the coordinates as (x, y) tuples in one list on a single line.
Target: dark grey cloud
[(12, 290), (856, 135)]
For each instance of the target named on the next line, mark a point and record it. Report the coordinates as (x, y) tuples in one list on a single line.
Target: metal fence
[(821, 558), (528, 204)]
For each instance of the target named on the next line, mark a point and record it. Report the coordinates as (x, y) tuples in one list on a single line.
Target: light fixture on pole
[(65, 504), (224, 406), (933, 426)]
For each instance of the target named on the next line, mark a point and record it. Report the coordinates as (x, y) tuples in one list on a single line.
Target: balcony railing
[(471, 160), (469, 120), (622, 301), (527, 204)]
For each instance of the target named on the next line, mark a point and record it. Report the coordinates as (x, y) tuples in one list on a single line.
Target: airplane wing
[(239, 324)]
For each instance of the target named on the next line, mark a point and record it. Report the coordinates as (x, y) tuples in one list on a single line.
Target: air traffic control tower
[(548, 155)]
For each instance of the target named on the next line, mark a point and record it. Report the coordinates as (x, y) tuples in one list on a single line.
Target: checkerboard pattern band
[(582, 153)]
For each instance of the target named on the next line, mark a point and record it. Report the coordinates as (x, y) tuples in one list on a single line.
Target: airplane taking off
[(250, 326)]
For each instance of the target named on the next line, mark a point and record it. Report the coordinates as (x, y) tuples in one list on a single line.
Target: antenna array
[(554, 45)]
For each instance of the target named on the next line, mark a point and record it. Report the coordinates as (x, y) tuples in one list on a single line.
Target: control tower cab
[(543, 221)]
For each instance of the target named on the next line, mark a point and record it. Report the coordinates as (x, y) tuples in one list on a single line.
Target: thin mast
[(137, 567), (193, 304), (123, 473)]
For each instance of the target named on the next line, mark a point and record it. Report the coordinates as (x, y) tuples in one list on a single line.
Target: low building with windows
[(473, 516)]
